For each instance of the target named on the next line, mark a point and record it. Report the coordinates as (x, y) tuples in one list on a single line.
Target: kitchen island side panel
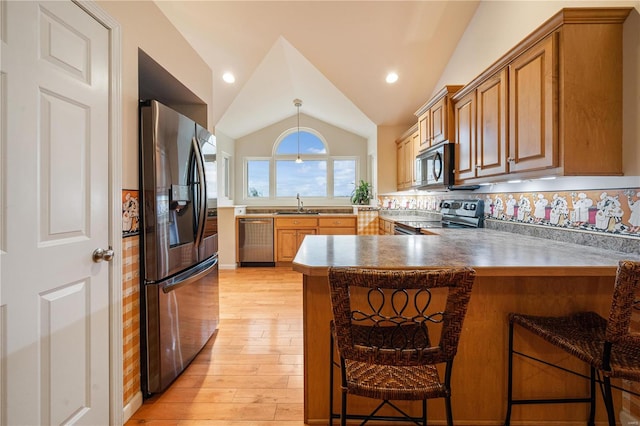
[(479, 381)]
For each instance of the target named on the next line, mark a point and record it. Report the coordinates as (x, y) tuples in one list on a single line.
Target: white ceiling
[(334, 55)]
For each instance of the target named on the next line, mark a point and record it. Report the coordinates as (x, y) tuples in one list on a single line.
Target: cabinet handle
[(337, 222), (511, 159), (295, 222)]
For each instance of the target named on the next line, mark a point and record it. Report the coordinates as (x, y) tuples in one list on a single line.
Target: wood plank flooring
[(251, 372)]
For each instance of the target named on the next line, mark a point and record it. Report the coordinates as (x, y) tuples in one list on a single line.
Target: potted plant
[(362, 193)]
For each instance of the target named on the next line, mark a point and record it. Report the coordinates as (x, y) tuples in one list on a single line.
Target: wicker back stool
[(608, 346), (391, 331)]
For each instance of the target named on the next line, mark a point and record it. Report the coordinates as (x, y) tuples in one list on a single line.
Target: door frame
[(115, 203)]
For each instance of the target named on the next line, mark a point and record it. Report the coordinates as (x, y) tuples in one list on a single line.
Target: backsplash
[(607, 211)]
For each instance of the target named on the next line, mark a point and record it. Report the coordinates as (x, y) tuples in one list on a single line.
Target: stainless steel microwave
[(435, 167)]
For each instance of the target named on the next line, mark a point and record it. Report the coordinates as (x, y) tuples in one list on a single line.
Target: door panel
[(492, 126), (465, 113), (55, 195), (533, 88)]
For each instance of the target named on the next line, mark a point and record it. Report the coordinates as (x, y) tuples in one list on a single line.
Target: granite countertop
[(490, 252), (256, 215)]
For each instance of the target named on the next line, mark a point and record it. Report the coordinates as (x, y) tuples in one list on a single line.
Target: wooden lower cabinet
[(290, 232), (288, 242), (385, 227), (338, 226)]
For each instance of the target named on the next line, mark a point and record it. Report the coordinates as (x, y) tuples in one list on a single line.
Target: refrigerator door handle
[(179, 281), (202, 189)]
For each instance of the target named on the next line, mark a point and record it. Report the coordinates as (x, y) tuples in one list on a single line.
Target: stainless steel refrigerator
[(179, 264)]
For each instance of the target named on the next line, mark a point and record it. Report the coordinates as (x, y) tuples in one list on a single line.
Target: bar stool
[(608, 346), (382, 327)]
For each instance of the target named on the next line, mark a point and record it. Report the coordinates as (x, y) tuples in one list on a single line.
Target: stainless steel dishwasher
[(256, 241)]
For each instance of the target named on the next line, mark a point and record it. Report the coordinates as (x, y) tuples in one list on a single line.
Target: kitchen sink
[(296, 212)]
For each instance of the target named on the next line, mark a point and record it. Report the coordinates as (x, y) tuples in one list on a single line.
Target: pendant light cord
[(298, 103)]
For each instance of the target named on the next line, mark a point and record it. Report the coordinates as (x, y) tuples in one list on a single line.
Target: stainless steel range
[(455, 214)]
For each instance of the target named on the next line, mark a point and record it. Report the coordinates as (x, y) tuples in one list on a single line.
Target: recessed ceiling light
[(228, 77), (392, 77)]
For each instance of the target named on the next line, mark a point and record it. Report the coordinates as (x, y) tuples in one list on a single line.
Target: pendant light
[(298, 104)]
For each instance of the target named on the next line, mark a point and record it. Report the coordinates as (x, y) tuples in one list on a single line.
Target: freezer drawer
[(255, 243), (181, 313)]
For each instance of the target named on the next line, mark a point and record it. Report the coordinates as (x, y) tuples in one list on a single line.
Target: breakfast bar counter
[(514, 274)]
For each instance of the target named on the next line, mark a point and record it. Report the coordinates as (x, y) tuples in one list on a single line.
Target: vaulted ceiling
[(333, 55)]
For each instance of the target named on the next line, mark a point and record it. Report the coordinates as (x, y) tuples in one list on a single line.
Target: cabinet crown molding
[(446, 90)]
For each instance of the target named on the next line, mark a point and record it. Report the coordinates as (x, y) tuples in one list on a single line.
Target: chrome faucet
[(300, 204)]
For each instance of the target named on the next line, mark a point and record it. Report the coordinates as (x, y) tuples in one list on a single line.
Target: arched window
[(307, 176), (310, 144), (317, 175)]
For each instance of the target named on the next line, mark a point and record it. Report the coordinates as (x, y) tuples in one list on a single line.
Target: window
[(344, 177), (319, 175), (308, 178), (210, 167), (257, 178)]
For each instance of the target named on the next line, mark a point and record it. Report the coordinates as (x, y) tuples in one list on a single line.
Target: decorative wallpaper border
[(130, 212), (615, 211), (604, 211)]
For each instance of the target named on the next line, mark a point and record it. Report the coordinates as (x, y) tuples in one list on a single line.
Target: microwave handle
[(437, 166)]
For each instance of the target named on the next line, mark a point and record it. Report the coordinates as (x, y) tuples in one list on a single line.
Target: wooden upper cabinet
[(415, 145), (491, 136), (405, 158), (481, 129), (465, 136), (533, 100), (424, 131), (400, 165), (552, 105), (436, 118), (439, 121)]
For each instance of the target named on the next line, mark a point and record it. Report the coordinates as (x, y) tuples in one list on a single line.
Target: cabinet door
[(424, 131), (439, 121), (399, 165), (408, 162), (415, 148), (465, 138), (491, 134), (533, 141), (287, 244)]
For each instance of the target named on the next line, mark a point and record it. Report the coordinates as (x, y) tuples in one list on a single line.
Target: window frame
[(326, 156)]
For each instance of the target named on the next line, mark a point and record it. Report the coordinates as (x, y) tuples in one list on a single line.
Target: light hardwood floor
[(251, 372)]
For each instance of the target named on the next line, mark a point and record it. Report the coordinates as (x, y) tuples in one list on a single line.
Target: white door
[(54, 299)]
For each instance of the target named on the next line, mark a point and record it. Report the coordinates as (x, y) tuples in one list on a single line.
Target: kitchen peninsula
[(514, 273)]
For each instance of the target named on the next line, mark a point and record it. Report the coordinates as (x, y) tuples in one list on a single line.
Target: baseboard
[(627, 419), (228, 266), (134, 404)]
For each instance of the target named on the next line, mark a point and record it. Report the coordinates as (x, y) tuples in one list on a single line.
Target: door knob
[(100, 254)]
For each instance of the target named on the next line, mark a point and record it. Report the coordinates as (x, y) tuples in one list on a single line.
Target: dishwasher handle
[(257, 221)]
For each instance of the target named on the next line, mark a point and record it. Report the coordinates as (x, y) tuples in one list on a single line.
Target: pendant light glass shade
[(298, 104)]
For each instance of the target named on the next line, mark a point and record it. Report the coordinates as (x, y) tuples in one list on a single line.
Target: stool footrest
[(549, 401)]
